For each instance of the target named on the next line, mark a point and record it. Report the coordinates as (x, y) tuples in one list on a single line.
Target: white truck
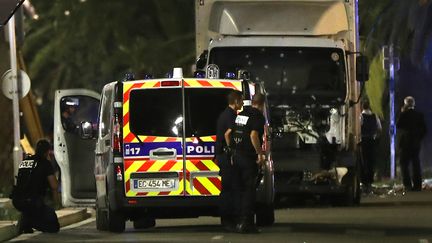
[(305, 54)]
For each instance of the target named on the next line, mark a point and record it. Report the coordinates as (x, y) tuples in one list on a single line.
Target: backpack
[(21, 189)]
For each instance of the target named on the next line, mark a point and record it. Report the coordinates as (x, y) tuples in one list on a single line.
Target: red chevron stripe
[(127, 164), (127, 185), (186, 84), (127, 93), (126, 118), (205, 83), (129, 138), (142, 193), (168, 165), (157, 84), (201, 189), (216, 181), (171, 139), (149, 139), (200, 165), (146, 165), (229, 85), (164, 193)]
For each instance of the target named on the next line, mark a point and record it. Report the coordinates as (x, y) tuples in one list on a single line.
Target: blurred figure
[(412, 129), (35, 174), (370, 131), (68, 109)]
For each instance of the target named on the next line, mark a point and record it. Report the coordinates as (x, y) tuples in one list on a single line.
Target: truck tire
[(116, 221), (265, 215), (144, 223), (101, 219), (351, 196)]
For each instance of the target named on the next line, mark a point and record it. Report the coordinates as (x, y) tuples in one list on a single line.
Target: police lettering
[(206, 149), (27, 164)]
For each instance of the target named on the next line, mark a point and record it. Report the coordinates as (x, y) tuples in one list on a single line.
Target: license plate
[(154, 184)]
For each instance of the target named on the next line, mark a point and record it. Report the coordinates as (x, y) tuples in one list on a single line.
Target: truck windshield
[(288, 72), (158, 112)]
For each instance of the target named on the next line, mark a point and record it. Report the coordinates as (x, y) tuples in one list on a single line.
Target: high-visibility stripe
[(208, 184)]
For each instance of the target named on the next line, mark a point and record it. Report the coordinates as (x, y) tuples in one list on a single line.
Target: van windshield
[(158, 112)]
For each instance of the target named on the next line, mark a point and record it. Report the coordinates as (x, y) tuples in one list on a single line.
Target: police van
[(144, 149)]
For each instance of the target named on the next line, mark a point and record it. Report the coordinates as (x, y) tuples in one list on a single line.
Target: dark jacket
[(412, 129)]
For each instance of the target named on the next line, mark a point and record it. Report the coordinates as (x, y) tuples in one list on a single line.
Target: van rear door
[(152, 139), (74, 155), (155, 161)]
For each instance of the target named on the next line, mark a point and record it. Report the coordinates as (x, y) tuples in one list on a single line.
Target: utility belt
[(232, 152)]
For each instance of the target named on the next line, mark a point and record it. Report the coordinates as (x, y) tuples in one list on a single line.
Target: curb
[(66, 216)]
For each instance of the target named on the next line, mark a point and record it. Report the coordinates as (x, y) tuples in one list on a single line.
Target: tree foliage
[(405, 24), (86, 43)]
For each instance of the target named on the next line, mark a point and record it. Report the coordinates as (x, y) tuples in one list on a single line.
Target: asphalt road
[(370, 223)]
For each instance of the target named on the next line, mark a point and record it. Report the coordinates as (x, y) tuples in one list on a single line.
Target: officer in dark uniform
[(223, 157), (370, 130), (35, 174), (245, 138), (413, 129)]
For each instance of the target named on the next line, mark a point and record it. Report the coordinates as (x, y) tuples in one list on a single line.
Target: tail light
[(119, 175), (116, 143)]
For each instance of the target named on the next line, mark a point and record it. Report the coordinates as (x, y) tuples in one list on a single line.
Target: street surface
[(371, 222)]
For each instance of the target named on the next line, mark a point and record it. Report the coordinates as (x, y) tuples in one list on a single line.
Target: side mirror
[(362, 69), (202, 60), (86, 130)]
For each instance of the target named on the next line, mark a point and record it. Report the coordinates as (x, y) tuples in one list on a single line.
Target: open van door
[(74, 154)]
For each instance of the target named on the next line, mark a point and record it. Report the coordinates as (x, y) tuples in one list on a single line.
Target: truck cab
[(153, 152), (304, 54)]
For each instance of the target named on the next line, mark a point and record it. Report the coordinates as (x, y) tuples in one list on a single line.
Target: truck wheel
[(101, 219), (144, 223), (265, 215), (116, 221), (351, 196)]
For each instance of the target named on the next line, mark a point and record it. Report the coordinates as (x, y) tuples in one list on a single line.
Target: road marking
[(423, 241), (220, 237), (23, 237), (365, 232)]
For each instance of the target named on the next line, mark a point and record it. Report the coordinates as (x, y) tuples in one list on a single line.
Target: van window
[(203, 107), (76, 109), (158, 112), (105, 116)]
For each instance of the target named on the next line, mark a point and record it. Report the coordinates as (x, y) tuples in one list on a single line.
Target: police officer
[(413, 129), (246, 140), (223, 157), (35, 173), (370, 130)]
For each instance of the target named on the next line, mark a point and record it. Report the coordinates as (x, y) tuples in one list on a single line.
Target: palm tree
[(85, 44), (408, 26)]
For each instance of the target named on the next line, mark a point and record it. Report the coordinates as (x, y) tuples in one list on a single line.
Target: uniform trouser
[(368, 145), (36, 214), (245, 176), (410, 156), (226, 205)]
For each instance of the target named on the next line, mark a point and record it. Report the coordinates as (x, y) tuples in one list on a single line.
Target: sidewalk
[(398, 198), (66, 216)]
